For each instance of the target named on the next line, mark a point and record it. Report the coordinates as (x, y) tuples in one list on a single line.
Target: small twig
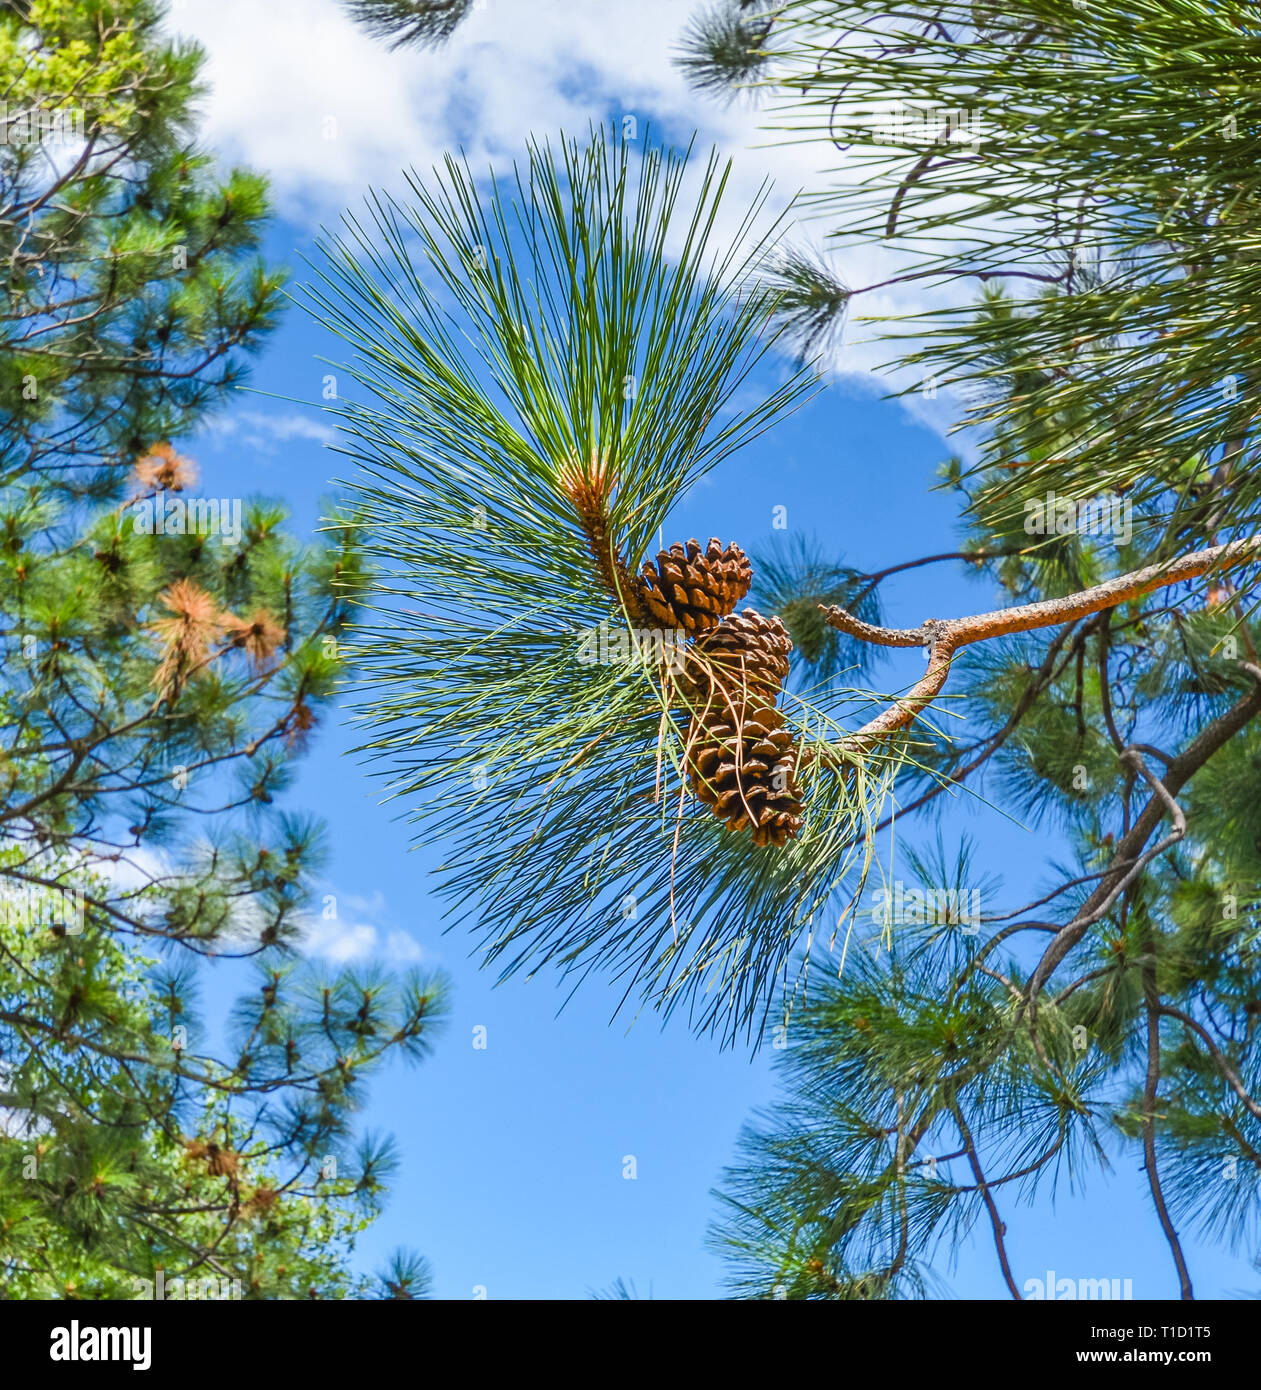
[(1149, 1130), (996, 1221)]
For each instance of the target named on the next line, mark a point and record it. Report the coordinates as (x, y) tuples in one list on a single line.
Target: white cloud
[(403, 949), (303, 94), (371, 906), (263, 430), (352, 939), (342, 943)]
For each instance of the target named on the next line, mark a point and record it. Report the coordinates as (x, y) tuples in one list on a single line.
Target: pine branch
[(1219, 1057), (410, 23), (943, 637), (811, 301), (996, 1222), (1150, 1090), (725, 48)]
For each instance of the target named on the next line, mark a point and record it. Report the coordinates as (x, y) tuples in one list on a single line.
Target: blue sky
[(513, 1156)]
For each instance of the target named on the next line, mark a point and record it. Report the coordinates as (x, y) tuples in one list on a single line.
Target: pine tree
[(165, 659), (133, 285), (957, 1066), (1121, 240)]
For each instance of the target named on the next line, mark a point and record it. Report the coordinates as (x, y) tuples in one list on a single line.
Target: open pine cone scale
[(695, 589)]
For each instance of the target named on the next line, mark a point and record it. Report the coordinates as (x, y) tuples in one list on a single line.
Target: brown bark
[(943, 637)]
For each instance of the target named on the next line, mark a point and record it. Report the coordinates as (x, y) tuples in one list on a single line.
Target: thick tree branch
[(943, 637)]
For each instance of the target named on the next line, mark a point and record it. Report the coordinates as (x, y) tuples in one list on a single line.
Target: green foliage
[(148, 728), (410, 23), (811, 301), (1099, 161), (407, 1276), (161, 667), (133, 289), (126, 1148), (932, 1025), (724, 47), (794, 581), (852, 1184), (619, 1291)]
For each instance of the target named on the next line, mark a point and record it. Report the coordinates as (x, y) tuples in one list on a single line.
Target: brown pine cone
[(743, 660), (744, 769), (695, 589)]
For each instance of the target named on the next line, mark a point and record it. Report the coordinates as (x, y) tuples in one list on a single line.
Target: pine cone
[(220, 1162), (693, 588), (741, 661), (744, 769)]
